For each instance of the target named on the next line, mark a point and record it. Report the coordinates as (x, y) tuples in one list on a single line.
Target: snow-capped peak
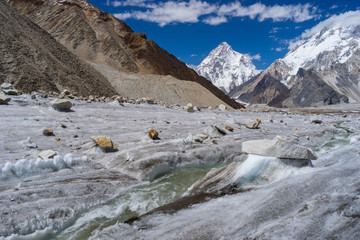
[(343, 41), (226, 68), (333, 53)]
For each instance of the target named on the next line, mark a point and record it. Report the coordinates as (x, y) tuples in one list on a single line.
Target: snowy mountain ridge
[(322, 69), (343, 40), (333, 53), (338, 44), (226, 68)]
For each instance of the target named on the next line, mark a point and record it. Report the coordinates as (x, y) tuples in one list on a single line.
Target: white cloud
[(279, 49), (193, 11), (193, 55), (341, 20), (174, 12), (133, 3), (215, 20), (296, 13), (254, 57), (123, 16), (334, 6)]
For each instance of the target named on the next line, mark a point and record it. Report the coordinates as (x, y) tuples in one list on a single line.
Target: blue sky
[(190, 29)]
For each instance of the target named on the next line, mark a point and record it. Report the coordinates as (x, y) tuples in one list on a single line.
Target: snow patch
[(38, 234), (30, 167)]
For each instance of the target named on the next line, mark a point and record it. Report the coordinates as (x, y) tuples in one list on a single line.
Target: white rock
[(28, 143), (4, 99), (47, 154), (7, 88), (252, 124), (61, 104), (279, 149), (189, 107), (222, 107)]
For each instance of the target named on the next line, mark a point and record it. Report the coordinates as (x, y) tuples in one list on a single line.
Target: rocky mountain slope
[(165, 89), (226, 68), (333, 55), (308, 90), (101, 38), (32, 60)]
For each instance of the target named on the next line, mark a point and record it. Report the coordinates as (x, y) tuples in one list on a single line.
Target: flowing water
[(134, 202), (163, 190), (338, 140)]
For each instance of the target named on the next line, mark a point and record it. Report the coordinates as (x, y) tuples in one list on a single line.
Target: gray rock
[(4, 99), (66, 92), (252, 124), (279, 149), (316, 121), (189, 107), (33, 95), (61, 104), (10, 92), (214, 131), (150, 101), (8, 89), (47, 154)]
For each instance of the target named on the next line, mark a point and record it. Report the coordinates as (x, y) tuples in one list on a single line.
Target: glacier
[(88, 194)]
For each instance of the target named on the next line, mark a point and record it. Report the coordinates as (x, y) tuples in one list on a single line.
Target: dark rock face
[(101, 38), (32, 60), (264, 90), (310, 90)]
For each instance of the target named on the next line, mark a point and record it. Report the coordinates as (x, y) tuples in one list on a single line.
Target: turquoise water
[(134, 202), (337, 141)]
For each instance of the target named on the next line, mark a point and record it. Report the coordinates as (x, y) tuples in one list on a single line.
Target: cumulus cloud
[(169, 12), (215, 20), (296, 13), (133, 3), (342, 20), (193, 11), (254, 57), (123, 16)]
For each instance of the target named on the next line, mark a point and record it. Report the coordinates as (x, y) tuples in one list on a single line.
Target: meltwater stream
[(134, 202), (161, 191), (338, 140), (166, 189)]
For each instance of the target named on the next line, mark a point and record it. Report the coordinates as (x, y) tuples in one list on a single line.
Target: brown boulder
[(153, 134), (105, 143)]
